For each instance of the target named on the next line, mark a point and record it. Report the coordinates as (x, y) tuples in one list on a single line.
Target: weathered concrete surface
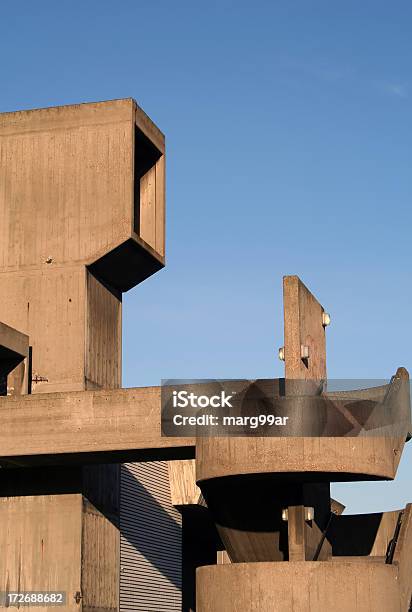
[(118, 424), (30, 559), (330, 459), (80, 563), (403, 558), (183, 488), (100, 562), (299, 586), (69, 172), (303, 327)]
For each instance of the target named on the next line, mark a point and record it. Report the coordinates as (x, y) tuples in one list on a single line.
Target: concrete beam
[(116, 425), (120, 425)]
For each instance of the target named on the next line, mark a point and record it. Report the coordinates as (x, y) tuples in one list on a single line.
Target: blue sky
[(289, 151)]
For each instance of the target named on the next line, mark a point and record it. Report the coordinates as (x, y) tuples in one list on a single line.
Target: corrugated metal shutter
[(151, 541)]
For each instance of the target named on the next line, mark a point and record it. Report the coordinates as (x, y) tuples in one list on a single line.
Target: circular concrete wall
[(358, 586), (328, 459)]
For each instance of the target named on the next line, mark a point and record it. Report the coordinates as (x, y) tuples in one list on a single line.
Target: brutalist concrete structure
[(290, 547), (82, 205), (94, 501)]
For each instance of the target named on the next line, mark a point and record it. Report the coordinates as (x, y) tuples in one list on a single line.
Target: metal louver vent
[(151, 540)]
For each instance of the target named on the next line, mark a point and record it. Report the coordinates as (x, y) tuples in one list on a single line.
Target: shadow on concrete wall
[(153, 533)]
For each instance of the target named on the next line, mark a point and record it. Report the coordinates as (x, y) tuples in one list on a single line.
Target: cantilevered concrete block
[(83, 183)]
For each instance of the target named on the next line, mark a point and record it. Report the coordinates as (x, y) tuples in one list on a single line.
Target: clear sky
[(288, 130)]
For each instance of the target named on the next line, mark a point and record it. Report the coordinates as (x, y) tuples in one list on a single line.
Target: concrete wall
[(298, 586)]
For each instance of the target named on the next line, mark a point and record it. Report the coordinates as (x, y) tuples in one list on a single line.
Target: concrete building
[(94, 502)]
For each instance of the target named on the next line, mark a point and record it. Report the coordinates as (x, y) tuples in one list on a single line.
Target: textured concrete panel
[(299, 586)]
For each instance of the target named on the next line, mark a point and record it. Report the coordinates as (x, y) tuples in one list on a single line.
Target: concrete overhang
[(14, 347)]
